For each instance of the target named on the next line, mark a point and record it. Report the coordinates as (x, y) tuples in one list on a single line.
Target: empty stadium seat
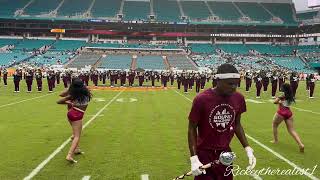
[(9, 7), (254, 11), (203, 48), (181, 63), (225, 10), (284, 11), (150, 62), (166, 10), (84, 59), (136, 10), (234, 48), (74, 7), (195, 9), (105, 8), (116, 62), (41, 7)]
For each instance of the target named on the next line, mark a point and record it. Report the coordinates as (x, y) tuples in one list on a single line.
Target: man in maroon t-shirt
[(213, 121)]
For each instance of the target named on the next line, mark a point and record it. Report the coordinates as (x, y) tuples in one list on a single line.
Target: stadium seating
[(282, 10), (74, 7), (8, 7), (207, 62), (195, 9), (150, 62), (4, 42), (307, 15), (50, 58), (110, 45), (308, 48), (41, 7), (116, 62), (234, 48), (136, 10), (166, 10), (254, 11), (30, 44), (70, 45), (105, 8), (203, 48), (225, 10), (84, 59), (181, 63), (266, 49), (290, 63), (14, 56)]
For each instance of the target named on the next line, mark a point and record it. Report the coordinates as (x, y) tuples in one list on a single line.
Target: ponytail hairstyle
[(288, 94)]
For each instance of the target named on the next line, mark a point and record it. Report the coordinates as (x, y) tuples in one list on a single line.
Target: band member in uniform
[(171, 78), (39, 80), (164, 79), (294, 82), (58, 73), (17, 76), (51, 80), (153, 78), (312, 81), (284, 113), (112, 78), (198, 82), (308, 82), (123, 76), (203, 80), (214, 80), (258, 81), (140, 78), (248, 79), (179, 80), (214, 118), (282, 80), (29, 79), (95, 77), (185, 82), (65, 80), (77, 98), (274, 83), (5, 77), (265, 81), (104, 77)]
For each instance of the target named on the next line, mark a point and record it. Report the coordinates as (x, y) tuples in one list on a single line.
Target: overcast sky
[(301, 4)]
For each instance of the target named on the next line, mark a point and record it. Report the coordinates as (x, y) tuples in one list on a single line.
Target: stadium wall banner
[(146, 34), (58, 30)]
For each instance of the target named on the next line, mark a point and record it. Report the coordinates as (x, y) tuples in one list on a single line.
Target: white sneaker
[(258, 97), (273, 97), (311, 97)]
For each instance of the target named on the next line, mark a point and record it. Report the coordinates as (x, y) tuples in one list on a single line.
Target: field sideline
[(133, 133)]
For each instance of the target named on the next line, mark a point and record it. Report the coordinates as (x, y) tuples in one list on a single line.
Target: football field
[(142, 135)]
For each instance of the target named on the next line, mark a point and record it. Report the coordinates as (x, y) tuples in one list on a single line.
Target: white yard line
[(270, 150), (86, 177), (13, 103), (300, 109), (145, 177), (55, 152), (305, 110)]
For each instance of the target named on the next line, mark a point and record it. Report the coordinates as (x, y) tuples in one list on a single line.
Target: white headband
[(228, 76)]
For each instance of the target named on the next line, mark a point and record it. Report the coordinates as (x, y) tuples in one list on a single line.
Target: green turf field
[(128, 134)]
